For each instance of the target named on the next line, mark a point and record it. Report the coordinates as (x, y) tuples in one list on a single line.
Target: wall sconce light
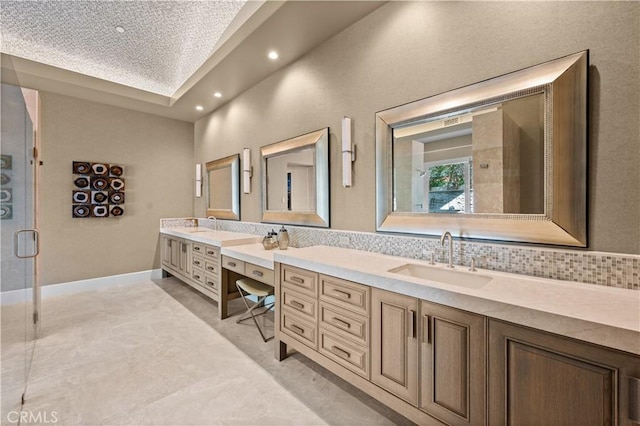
[(348, 152), (198, 180), (247, 170)]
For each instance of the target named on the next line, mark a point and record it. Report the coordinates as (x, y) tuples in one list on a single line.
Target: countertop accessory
[(283, 238)]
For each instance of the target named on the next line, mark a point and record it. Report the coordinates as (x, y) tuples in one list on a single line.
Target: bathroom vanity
[(462, 347), (195, 256)]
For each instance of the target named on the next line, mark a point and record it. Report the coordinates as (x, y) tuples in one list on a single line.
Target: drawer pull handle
[(196, 248), (297, 329), (340, 322), (197, 277), (210, 268), (196, 262), (211, 284), (296, 304), (297, 280), (210, 252), (258, 273), (412, 324), (340, 352), (232, 264), (341, 293), (426, 331)]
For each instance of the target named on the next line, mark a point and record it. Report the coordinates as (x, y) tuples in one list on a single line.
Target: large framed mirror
[(504, 159), (223, 188), (295, 180)]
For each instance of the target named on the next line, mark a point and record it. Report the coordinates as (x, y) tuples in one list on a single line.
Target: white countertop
[(602, 315), (211, 237), (254, 253)]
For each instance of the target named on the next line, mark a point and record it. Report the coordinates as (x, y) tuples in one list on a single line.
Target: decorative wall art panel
[(6, 192), (98, 190)]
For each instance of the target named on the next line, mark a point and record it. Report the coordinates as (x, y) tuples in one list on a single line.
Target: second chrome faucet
[(445, 235)]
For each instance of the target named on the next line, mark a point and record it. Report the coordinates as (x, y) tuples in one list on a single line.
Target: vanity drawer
[(350, 326), (197, 275), (198, 262), (211, 283), (259, 273), (233, 264), (212, 252), (211, 267), (300, 280), (198, 248), (352, 357), (299, 329), (303, 305), (346, 294)]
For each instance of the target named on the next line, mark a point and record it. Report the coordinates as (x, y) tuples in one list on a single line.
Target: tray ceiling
[(149, 45), (172, 56)]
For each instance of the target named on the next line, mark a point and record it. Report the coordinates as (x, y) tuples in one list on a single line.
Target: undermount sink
[(193, 231), (441, 275)]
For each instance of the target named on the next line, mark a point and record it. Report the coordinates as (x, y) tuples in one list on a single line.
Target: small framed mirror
[(503, 159), (223, 188), (295, 180)]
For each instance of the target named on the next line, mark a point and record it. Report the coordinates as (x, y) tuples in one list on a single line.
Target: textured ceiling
[(163, 44)]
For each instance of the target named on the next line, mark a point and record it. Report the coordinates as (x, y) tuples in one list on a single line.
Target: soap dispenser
[(283, 238)]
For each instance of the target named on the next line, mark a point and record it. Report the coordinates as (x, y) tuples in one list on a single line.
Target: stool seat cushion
[(254, 287)]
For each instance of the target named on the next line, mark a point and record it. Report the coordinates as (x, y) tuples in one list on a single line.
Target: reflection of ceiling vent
[(450, 121)]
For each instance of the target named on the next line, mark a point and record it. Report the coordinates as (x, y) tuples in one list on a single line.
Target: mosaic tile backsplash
[(589, 267)]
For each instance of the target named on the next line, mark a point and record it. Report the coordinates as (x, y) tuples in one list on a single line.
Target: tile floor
[(155, 353)]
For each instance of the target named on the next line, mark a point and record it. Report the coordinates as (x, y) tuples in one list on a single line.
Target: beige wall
[(158, 157), (407, 51)]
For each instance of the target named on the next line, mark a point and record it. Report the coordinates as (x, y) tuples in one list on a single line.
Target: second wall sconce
[(348, 152), (247, 170), (198, 180)]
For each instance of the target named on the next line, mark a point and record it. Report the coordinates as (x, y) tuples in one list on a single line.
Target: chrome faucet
[(444, 236), (215, 222)]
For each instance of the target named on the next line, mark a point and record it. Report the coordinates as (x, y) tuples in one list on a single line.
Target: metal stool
[(262, 291)]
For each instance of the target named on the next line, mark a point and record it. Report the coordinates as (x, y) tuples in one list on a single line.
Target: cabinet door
[(453, 366), (185, 258), (175, 247), (394, 346), (545, 379), (166, 251)]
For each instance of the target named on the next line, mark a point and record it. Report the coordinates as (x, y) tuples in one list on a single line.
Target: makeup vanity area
[(440, 345)]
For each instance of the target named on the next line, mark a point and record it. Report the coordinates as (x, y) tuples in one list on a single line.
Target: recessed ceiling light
[(273, 55), (199, 107), (119, 29), (217, 95)]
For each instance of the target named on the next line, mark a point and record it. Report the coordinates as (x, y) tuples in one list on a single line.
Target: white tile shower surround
[(155, 353), (589, 267)]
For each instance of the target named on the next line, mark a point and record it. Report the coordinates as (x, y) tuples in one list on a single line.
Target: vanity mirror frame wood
[(319, 140), (564, 84), (231, 162)]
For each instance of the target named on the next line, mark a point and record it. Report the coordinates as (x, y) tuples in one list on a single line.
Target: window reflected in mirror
[(487, 159)]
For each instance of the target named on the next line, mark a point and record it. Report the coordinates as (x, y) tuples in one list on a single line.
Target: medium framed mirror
[(504, 159), (223, 188), (295, 180)]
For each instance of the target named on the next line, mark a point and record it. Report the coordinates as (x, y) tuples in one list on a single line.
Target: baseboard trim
[(92, 284)]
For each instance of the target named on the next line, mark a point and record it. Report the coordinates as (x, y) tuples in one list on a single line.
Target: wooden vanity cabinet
[(194, 263), (452, 364), (546, 379), (394, 344), (436, 364)]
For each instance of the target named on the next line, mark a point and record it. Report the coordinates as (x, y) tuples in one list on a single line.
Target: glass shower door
[(19, 248)]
